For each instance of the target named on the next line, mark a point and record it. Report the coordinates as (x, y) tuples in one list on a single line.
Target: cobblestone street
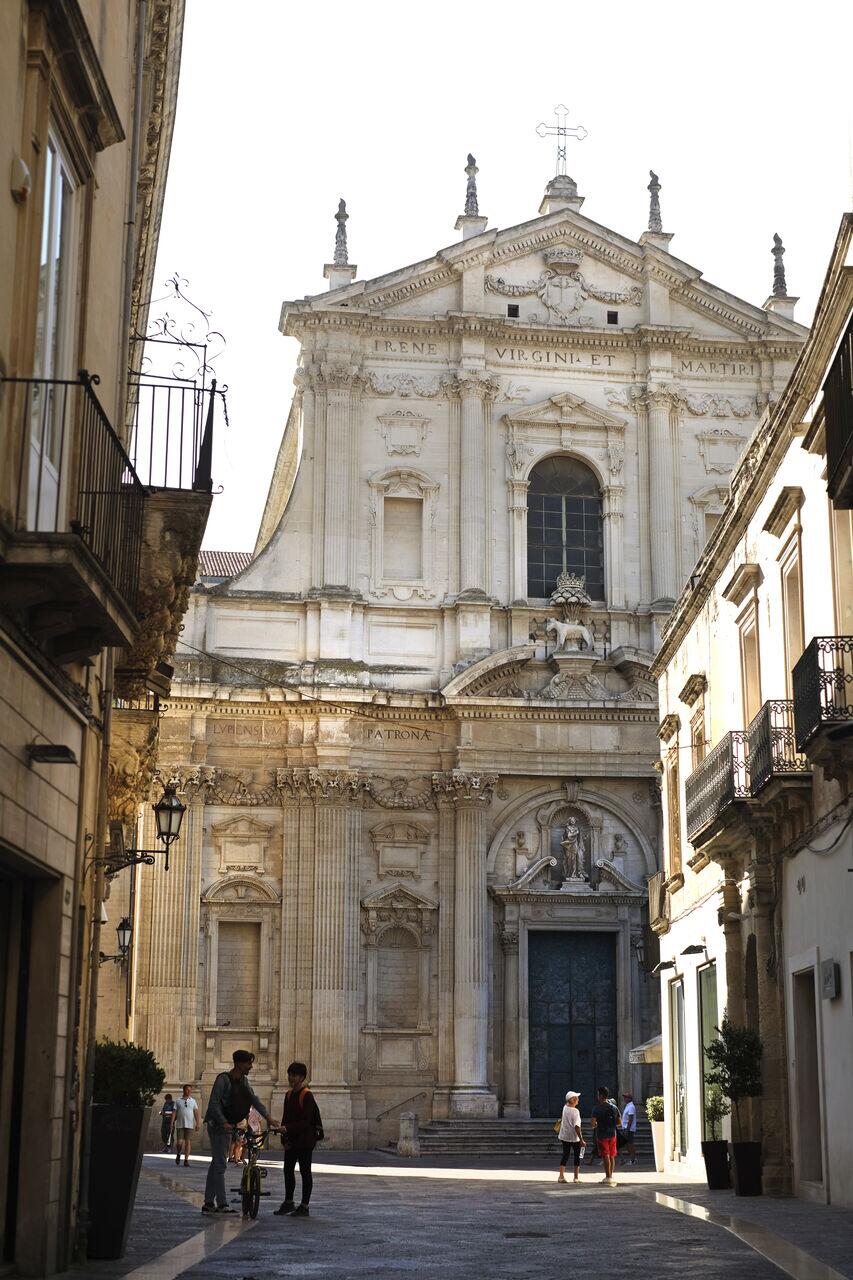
[(375, 1216)]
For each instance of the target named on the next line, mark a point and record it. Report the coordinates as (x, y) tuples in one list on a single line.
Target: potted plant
[(654, 1112), (736, 1059), (715, 1152), (127, 1078)]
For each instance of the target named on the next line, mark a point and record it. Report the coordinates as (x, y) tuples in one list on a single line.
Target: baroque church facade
[(417, 734)]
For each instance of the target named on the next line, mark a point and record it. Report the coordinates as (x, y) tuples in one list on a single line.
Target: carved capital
[(484, 386), (460, 787), (509, 942)]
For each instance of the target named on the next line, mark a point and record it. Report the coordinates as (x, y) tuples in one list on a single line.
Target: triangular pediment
[(241, 827), (494, 673), (399, 897), (609, 261), (565, 407)]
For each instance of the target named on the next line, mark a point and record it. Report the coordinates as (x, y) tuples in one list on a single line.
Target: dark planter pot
[(117, 1140), (746, 1168), (716, 1157)]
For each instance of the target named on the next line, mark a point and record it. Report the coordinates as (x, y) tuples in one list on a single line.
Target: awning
[(650, 1051)]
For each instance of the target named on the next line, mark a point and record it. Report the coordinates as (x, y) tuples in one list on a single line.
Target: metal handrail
[(424, 1093), (103, 502)]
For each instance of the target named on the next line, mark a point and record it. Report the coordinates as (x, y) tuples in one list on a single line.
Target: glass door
[(708, 1019), (679, 1067), (53, 346)]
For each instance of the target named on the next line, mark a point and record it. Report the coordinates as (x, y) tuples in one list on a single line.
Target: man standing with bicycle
[(230, 1100)]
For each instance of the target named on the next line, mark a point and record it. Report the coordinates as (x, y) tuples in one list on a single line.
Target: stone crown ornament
[(570, 592), (563, 258)]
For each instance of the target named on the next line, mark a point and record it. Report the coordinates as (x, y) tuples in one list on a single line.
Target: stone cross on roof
[(562, 132)]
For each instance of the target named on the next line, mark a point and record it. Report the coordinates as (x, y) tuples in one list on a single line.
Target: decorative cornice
[(789, 501), (669, 727), (693, 689), (745, 579)]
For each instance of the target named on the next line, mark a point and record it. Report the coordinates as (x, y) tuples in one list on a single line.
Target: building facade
[(89, 602), (417, 732), (753, 904)]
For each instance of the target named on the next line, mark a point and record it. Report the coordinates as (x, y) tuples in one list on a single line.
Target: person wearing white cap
[(570, 1135)]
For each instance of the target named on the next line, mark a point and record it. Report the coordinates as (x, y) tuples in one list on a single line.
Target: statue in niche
[(572, 846)]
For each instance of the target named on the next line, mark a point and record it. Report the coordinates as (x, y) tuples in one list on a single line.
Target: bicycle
[(250, 1183)]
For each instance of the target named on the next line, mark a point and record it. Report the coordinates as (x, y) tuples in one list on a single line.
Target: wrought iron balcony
[(718, 783), (171, 431), (772, 750), (838, 423), (77, 508), (823, 689)]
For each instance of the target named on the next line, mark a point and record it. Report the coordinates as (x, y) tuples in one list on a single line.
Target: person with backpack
[(231, 1099), (301, 1130), (605, 1121)]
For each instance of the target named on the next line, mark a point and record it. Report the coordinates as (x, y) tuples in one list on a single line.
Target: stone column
[(334, 1030), (288, 1049), (517, 490), (663, 508), (509, 943), (471, 794), (446, 880), (729, 914), (474, 390), (614, 545), (341, 468), (775, 1136), (168, 961)]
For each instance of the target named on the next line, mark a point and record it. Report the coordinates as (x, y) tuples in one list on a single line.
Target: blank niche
[(397, 991)]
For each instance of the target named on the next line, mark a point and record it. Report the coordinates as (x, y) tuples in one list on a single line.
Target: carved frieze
[(133, 755)]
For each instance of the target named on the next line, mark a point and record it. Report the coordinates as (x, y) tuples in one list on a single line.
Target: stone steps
[(497, 1138)]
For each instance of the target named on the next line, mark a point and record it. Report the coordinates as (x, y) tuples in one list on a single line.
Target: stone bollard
[(408, 1143)]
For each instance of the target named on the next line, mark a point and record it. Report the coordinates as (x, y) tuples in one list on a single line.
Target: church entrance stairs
[(505, 1139)]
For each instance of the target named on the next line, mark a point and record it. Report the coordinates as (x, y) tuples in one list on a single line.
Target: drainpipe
[(98, 848), (130, 222)]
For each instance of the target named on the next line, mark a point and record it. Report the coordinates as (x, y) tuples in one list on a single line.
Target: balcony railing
[(823, 687), (772, 749), (171, 432), (73, 476), (838, 421), (718, 782)]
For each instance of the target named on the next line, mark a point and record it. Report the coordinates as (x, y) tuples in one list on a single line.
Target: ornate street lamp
[(124, 932), (168, 813)]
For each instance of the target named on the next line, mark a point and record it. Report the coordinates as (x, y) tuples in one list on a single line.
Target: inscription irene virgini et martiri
[(575, 359)]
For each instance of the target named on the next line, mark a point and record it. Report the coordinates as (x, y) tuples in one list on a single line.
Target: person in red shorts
[(605, 1121)]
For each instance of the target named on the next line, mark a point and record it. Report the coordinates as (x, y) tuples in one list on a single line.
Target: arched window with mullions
[(564, 527)]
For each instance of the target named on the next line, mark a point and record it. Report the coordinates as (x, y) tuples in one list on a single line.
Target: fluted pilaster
[(335, 944), (663, 508), (475, 391), (509, 943)]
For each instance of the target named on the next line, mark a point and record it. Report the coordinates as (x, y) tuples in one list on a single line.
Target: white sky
[(743, 109)]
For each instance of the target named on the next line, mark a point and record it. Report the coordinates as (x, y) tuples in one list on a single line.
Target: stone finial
[(655, 223), (780, 288), (341, 258), (472, 208)]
